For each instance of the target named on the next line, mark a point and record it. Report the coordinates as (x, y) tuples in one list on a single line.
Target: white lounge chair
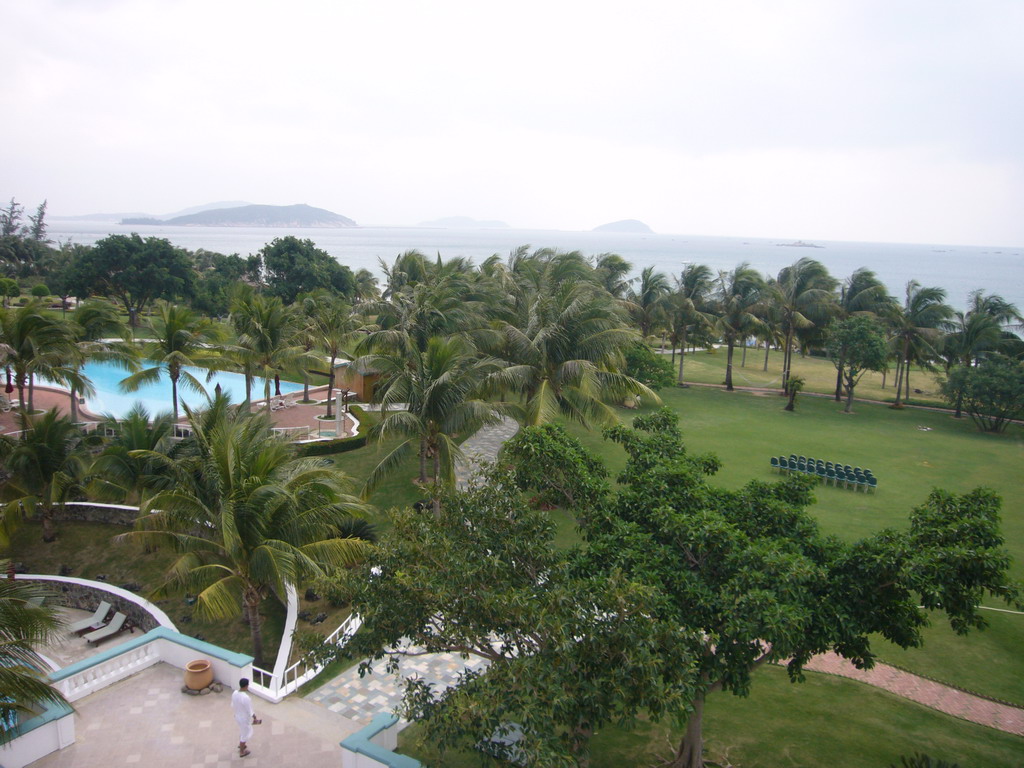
[(92, 623), (116, 625)]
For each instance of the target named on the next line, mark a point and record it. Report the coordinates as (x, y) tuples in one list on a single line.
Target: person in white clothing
[(241, 704)]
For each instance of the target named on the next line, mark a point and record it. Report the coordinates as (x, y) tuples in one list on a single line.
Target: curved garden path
[(952, 701)]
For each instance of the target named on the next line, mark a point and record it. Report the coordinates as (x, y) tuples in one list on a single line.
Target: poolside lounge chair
[(116, 625), (93, 622)]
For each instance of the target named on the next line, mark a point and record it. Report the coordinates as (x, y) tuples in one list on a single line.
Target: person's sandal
[(243, 754)]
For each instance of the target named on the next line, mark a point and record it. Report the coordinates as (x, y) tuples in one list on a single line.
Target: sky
[(867, 121)]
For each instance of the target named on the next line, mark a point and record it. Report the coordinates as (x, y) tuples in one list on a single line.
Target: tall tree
[(125, 470), (47, 466), (992, 391), (855, 346), (917, 330), (862, 293), (568, 651), (97, 333), (37, 344), (292, 266), (265, 339), (751, 576), (134, 272), (649, 302), (333, 329), (737, 303), (246, 518), (180, 339), (611, 270), (439, 392), (690, 305), (566, 351), (803, 297)]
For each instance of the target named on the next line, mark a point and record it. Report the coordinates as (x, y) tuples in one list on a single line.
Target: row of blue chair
[(827, 471)]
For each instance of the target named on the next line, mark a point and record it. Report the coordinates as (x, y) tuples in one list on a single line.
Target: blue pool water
[(106, 379)]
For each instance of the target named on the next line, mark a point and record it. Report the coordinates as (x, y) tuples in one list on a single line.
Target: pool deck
[(297, 415)]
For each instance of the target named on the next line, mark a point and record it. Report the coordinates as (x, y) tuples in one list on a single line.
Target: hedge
[(342, 444)]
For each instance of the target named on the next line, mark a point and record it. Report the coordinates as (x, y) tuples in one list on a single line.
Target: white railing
[(109, 672), (295, 433), (275, 687)]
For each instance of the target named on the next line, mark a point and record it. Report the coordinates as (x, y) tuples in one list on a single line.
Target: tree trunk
[(330, 388), (305, 387), (767, 351), (277, 385), (959, 405), (252, 611), (682, 354), (743, 357), (885, 373), (839, 378), (74, 404), (728, 366), (423, 462), (791, 405), (581, 736), (787, 359), (19, 380), (49, 531), (849, 397), (904, 372), (691, 750), (174, 395), (31, 393), (906, 380)]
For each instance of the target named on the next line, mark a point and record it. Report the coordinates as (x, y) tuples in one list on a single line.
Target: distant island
[(800, 244), (626, 225), (254, 216), (463, 222)]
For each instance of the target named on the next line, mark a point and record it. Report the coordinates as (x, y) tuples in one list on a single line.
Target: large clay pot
[(198, 674)]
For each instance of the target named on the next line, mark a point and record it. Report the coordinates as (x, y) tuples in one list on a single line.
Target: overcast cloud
[(882, 121)]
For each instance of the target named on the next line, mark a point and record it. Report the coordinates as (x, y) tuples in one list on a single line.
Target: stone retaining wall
[(87, 595), (88, 512)]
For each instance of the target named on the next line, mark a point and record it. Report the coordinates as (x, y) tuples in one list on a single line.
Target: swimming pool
[(106, 379)]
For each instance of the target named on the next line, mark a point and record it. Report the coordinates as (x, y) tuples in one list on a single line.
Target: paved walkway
[(146, 720), (483, 447), (937, 696), (358, 699)]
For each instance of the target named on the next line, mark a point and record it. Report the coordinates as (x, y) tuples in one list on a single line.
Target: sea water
[(956, 268)]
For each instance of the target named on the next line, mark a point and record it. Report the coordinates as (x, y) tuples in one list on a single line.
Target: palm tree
[(180, 338), (739, 297), (611, 270), (861, 293), (333, 329), (47, 466), (917, 327), (566, 353), (247, 518), (981, 330), (441, 389), (23, 627), (92, 324), (125, 470), (36, 343), (649, 301), (690, 304), (266, 335), (802, 297)]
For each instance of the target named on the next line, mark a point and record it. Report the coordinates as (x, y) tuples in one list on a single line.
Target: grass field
[(825, 721), (708, 367), (744, 430)]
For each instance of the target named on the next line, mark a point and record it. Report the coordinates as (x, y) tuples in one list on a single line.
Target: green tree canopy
[(568, 651), (855, 346), (751, 575), (292, 266), (134, 272), (992, 392)]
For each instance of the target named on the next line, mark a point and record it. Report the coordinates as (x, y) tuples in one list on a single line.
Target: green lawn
[(825, 721), (708, 367), (744, 430)]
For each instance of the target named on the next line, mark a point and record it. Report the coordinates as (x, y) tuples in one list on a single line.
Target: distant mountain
[(137, 217), (257, 216), (626, 225), (463, 222)]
